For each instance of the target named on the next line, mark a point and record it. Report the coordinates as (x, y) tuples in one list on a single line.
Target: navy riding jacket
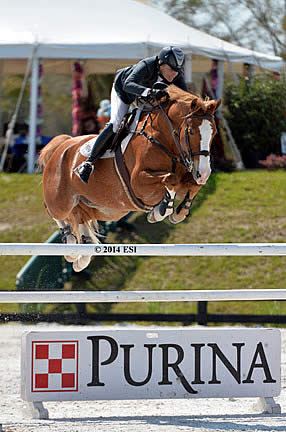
[(131, 81)]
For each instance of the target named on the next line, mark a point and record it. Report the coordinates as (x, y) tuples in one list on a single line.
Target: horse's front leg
[(184, 208), (182, 211), (164, 208)]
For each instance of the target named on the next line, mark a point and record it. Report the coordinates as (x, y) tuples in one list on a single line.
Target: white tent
[(110, 33)]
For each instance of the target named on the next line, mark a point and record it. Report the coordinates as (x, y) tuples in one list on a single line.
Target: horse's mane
[(178, 95)]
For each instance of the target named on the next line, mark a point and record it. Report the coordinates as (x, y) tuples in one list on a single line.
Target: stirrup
[(83, 171)]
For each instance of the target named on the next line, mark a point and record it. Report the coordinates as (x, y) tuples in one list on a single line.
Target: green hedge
[(256, 112)]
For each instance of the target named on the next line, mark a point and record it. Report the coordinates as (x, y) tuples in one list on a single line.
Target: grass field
[(239, 207)]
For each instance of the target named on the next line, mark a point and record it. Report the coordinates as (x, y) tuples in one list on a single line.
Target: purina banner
[(155, 363)]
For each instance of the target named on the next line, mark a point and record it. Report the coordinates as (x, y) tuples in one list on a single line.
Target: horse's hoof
[(71, 239), (174, 221), (81, 263), (150, 217), (84, 260), (76, 267), (70, 259)]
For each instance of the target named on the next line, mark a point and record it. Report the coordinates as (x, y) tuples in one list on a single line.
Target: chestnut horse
[(168, 157)]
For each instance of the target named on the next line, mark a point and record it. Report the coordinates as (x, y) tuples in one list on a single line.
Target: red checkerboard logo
[(54, 366)]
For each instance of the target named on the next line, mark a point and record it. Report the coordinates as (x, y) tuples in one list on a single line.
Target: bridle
[(185, 158)]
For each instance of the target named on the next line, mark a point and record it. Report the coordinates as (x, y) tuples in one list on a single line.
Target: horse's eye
[(190, 130)]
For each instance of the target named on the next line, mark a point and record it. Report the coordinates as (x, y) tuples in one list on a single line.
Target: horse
[(167, 157)]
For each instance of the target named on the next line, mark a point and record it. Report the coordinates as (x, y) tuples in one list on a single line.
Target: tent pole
[(233, 147), (33, 114), (220, 78), (11, 125), (251, 71), (1, 91), (188, 69)]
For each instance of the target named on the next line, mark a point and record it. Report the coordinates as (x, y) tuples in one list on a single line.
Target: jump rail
[(223, 249), (139, 296)]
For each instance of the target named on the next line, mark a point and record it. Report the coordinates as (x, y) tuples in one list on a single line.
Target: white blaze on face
[(202, 170)]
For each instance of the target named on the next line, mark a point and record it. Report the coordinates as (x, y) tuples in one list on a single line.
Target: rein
[(184, 158), (174, 158)]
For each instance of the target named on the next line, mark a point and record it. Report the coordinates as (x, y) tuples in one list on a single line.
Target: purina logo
[(54, 366)]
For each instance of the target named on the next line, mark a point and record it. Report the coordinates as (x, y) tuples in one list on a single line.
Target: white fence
[(223, 249), (138, 296)]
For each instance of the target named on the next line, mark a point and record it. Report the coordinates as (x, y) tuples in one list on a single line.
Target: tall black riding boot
[(99, 147)]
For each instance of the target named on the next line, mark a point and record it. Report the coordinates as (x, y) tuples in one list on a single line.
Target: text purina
[(258, 360)]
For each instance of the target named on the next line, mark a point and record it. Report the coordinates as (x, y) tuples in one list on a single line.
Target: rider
[(129, 83)]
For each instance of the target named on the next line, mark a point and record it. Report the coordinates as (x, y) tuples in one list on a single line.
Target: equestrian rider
[(129, 83)]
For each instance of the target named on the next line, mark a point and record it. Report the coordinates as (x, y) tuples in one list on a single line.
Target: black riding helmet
[(173, 57)]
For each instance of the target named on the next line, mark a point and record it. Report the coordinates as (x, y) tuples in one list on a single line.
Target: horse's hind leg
[(67, 237), (87, 236)]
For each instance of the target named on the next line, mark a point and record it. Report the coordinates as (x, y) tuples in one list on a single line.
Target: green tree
[(101, 86), (11, 86), (255, 24), (256, 113), (184, 10)]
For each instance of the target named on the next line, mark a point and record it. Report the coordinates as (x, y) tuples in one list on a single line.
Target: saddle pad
[(85, 149)]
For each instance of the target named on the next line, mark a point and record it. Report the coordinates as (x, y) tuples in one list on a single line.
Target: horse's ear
[(213, 106), (194, 104)]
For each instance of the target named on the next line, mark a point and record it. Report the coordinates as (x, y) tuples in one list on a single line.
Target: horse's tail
[(49, 149)]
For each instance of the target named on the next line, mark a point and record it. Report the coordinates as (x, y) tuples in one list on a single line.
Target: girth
[(124, 176)]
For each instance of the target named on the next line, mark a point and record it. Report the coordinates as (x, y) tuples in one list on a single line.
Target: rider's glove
[(158, 94)]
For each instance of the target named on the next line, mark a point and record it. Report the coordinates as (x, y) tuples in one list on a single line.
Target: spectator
[(103, 113), (88, 123)]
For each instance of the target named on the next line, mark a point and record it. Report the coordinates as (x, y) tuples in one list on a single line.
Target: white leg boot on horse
[(87, 237), (182, 211), (67, 237), (163, 209)]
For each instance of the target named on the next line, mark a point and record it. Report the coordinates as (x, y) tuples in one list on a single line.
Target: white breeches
[(118, 110)]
